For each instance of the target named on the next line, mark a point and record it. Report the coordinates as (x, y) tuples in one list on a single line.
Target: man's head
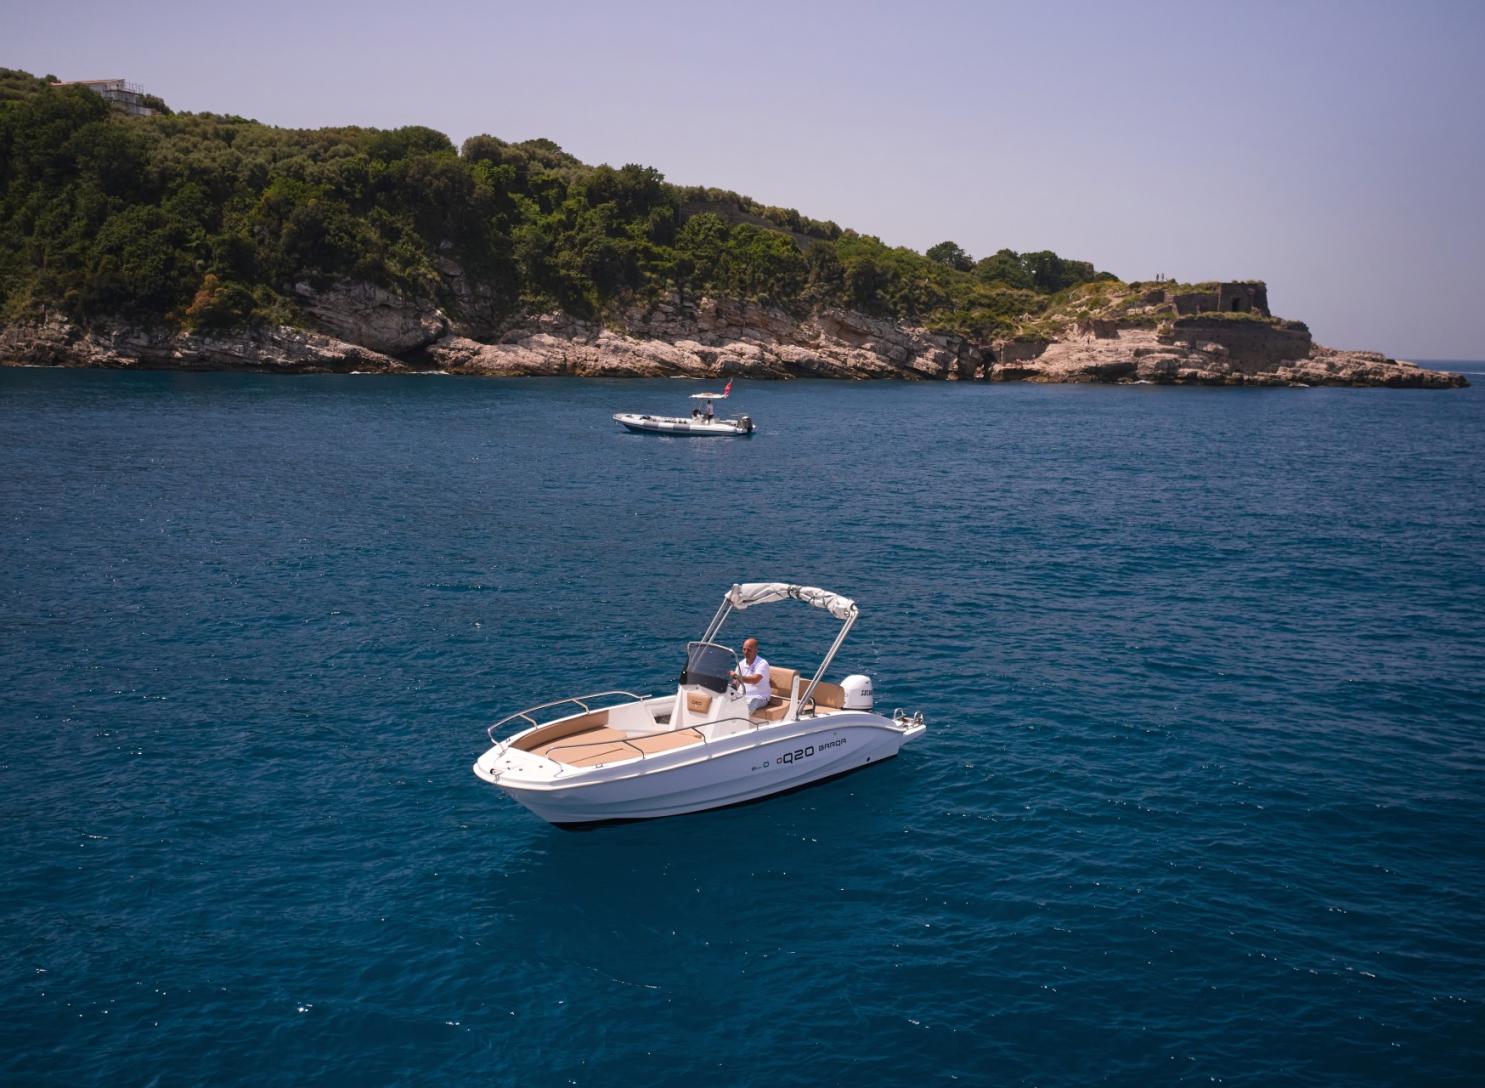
[(750, 648)]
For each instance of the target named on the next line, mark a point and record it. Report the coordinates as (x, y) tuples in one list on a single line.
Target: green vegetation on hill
[(15, 85), (209, 222), (1135, 304)]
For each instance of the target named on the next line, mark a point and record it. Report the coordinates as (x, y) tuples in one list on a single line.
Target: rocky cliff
[(364, 328), (1206, 355), (710, 338), (55, 341), (1206, 334)]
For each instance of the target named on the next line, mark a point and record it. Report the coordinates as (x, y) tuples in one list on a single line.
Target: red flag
[(728, 388)]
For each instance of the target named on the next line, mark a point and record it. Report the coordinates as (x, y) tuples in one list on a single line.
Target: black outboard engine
[(747, 424)]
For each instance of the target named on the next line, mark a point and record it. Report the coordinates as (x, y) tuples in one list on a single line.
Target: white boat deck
[(602, 744)]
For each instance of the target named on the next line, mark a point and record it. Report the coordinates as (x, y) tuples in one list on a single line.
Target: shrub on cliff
[(218, 306), (739, 261), (16, 84)]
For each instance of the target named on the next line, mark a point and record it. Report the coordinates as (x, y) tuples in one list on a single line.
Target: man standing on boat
[(752, 673)]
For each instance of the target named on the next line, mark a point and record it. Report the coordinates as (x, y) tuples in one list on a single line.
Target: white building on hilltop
[(129, 96)]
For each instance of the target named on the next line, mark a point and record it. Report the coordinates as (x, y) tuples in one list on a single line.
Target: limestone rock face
[(1238, 355), (1329, 366), (377, 319), (1248, 347), (368, 328), (711, 338), (57, 342), (476, 310)]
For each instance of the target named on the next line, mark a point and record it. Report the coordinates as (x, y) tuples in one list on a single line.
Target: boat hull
[(728, 771), (680, 425)]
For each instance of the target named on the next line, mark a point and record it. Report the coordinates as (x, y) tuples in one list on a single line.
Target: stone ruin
[(1247, 296)]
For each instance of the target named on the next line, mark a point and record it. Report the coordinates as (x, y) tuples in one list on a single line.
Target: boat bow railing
[(580, 701)]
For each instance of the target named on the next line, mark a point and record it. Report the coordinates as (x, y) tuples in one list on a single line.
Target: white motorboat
[(616, 755), (741, 426), (701, 422)]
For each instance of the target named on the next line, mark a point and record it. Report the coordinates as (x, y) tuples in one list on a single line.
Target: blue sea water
[(1201, 799)]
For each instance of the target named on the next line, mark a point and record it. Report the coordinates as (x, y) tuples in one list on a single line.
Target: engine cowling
[(858, 695)]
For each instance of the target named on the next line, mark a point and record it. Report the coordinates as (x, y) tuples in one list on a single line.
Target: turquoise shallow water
[(1200, 801)]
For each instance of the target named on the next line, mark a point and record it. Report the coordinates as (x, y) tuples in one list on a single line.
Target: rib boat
[(742, 426), (617, 755), (701, 422)]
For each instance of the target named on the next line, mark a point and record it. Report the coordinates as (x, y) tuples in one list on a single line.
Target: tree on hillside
[(825, 278), (1004, 267), (403, 143), (1042, 271), (700, 246), (951, 254)]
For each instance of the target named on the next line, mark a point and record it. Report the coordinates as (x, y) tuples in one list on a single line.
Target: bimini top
[(751, 593)]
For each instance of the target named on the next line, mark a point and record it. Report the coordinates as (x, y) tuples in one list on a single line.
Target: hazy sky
[(1334, 149)]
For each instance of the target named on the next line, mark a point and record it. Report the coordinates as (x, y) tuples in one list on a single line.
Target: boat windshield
[(709, 665)]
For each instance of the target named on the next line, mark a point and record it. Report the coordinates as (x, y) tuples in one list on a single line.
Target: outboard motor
[(858, 692), (747, 423)]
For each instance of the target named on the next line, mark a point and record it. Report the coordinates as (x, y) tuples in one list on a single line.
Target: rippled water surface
[(1201, 799)]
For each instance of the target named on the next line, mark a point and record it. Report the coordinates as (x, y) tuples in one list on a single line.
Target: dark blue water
[(1201, 800)]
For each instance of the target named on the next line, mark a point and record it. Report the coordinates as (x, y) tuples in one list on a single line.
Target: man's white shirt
[(758, 668)]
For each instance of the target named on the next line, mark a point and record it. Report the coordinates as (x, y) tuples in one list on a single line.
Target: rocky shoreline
[(363, 329)]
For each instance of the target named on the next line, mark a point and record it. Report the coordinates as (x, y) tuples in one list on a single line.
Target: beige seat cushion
[(774, 711), (781, 680), (583, 723), (664, 742), (586, 748), (606, 745), (830, 696)]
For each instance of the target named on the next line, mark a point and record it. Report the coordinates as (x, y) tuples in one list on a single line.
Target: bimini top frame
[(748, 594)]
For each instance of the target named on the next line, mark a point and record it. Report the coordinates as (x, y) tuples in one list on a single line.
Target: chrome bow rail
[(579, 700)]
